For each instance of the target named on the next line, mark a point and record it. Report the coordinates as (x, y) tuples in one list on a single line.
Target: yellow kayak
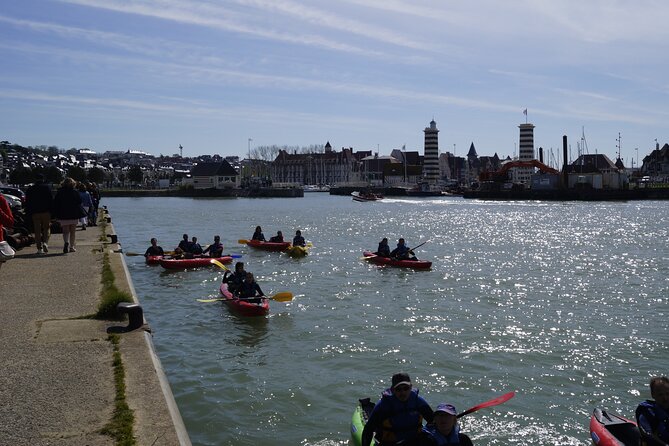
[(297, 251)]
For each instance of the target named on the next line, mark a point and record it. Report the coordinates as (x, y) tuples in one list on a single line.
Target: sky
[(223, 76)]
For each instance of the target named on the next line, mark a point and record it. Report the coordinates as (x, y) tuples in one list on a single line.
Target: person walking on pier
[(68, 211), (39, 203)]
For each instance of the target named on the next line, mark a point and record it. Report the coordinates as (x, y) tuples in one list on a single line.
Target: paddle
[(220, 265), (242, 241), (493, 402), (284, 296)]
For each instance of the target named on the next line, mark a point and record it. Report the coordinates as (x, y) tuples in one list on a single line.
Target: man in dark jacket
[(39, 203), (398, 416)]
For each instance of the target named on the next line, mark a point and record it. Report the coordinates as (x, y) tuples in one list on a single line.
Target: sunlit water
[(566, 303)]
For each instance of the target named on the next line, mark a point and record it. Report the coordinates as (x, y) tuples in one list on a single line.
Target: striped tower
[(525, 153), (431, 159)]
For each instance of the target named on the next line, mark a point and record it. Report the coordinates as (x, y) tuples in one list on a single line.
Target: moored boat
[(366, 196), (379, 260), (242, 306), (297, 251), (610, 429), (268, 246), (192, 263)]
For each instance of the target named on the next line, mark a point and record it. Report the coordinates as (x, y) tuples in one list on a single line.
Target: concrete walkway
[(56, 375)]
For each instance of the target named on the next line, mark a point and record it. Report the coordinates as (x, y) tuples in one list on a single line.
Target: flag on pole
[(525, 112)]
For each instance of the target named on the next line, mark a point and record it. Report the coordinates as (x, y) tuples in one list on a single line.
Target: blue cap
[(446, 408)]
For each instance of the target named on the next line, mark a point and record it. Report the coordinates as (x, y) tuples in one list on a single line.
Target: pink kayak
[(268, 246), (243, 306), (379, 260), (195, 262)]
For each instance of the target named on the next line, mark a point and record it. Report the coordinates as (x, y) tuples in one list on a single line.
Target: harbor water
[(565, 303)]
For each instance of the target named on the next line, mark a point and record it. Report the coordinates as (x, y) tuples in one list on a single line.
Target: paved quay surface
[(56, 379)]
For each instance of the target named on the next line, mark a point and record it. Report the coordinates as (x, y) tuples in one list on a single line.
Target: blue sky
[(367, 74)]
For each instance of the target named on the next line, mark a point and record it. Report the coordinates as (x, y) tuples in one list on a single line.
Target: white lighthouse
[(431, 158)]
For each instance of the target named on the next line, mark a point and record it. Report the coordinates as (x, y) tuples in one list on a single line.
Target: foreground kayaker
[(445, 430), (154, 249), (402, 252), (250, 290), (398, 416), (383, 250), (236, 278), (653, 415)]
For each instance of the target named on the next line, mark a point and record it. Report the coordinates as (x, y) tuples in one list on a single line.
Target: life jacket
[(403, 421), (655, 415), (441, 440)]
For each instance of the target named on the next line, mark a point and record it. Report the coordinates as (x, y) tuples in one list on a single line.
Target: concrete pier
[(56, 379)]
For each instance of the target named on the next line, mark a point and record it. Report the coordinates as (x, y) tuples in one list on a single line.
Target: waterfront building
[(327, 168), (656, 164), (217, 175), (412, 164), (595, 172), (431, 158)]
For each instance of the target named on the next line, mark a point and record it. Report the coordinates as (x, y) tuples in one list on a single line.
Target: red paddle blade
[(493, 402)]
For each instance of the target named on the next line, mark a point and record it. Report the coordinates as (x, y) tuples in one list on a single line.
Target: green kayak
[(360, 415)]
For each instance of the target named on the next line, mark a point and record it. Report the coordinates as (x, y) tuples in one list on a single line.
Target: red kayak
[(195, 262), (268, 246), (609, 429), (415, 264), (153, 260), (243, 306)]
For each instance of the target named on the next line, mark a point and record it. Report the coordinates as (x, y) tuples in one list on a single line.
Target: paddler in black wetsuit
[(250, 290), (235, 279)]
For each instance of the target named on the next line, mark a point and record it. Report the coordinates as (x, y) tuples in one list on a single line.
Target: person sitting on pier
[(383, 250), (278, 238), (236, 278), (154, 249), (298, 240), (250, 290), (258, 235), (215, 249), (402, 252)]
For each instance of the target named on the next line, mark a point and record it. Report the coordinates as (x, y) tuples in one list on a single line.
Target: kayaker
[(215, 249), (250, 290), (236, 278), (652, 416), (398, 416), (184, 246), (402, 252), (195, 247), (383, 250), (278, 238), (298, 240), (154, 249), (445, 429), (258, 235)]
